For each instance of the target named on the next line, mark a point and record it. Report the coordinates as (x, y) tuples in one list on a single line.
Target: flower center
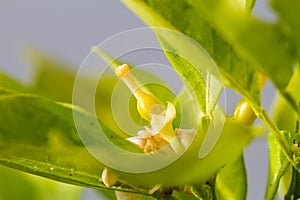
[(160, 133)]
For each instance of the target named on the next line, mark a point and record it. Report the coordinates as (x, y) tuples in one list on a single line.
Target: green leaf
[(249, 5), (288, 12), (231, 181), (167, 14), (270, 53), (192, 78), (202, 192), (39, 137), (285, 117), (52, 78), (279, 165), (47, 144), (15, 185), (9, 82), (284, 113), (294, 192), (281, 171), (241, 31), (186, 102), (285, 182)]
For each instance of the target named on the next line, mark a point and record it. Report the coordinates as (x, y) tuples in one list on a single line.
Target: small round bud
[(244, 113), (109, 177)]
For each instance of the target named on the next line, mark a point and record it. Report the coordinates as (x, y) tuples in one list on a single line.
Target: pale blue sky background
[(69, 28)]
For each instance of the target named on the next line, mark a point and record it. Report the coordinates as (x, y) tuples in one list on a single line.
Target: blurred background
[(67, 30)]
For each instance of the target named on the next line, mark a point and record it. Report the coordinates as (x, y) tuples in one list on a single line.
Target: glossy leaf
[(47, 144), (288, 12), (279, 165), (15, 185), (284, 115), (55, 79), (52, 78), (39, 137), (152, 178), (10, 83), (285, 118), (294, 192), (231, 181), (242, 31), (166, 14), (242, 35), (281, 171), (237, 73), (203, 192), (285, 182), (191, 77), (249, 5)]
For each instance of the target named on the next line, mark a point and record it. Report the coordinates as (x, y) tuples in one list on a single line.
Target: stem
[(266, 120), (264, 117)]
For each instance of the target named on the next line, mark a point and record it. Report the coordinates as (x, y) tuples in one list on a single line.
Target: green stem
[(267, 121)]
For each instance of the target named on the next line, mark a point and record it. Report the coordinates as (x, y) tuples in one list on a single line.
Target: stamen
[(122, 70), (145, 101)]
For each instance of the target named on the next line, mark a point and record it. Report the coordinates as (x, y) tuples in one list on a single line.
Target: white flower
[(161, 133)]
